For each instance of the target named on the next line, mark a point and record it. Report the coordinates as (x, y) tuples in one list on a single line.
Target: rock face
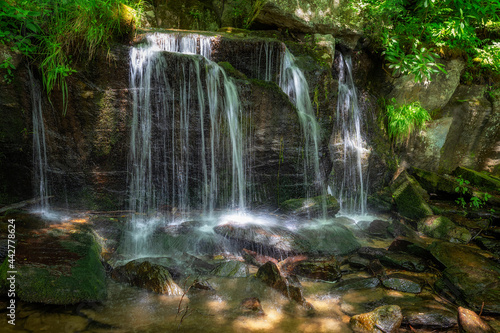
[(386, 318), (56, 265), (469, 277), (149, 276)]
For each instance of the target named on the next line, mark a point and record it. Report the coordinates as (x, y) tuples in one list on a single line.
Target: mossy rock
[(58, 269), (231, 269), (432, 182), (330, 239), (303, 206), (478, 178), (443, 228), (408, 195)]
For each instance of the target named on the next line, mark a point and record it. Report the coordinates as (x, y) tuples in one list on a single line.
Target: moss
[(477, 178), (231, 71), (408, 197)]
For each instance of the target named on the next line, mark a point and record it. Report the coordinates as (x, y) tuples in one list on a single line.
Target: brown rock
[(385, 318), (470, 322), (270, 274), (252, 306)]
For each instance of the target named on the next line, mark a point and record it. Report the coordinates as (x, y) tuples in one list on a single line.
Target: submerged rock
[(402, 283), (270, 274), (149, 276), (251, 306), (409, 197), (357, 283), (385, 318), (470, 322)]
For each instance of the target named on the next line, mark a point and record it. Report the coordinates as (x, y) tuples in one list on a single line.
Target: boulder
[(231, 269), (326, 269), (252, 307), (479, 179), (385, 318), (330, 239), (378, 228), (443, 228), (442, 185), (311, 206), (470, 322), (469, 278), (274, 241), (409, 197), (401, 282)]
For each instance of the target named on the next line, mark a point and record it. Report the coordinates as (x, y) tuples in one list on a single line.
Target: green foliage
[(7, 65), (404, 119), (412, 33), (475, 202), (51, 33)]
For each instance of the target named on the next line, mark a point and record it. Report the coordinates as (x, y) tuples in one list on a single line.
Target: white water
[(40, 164), (163, 149), (350, 187)]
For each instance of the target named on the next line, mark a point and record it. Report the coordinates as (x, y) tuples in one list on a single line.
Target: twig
[(481, 312)]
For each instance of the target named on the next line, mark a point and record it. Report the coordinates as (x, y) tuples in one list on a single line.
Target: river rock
[(326, 269), (441, 185), (330, 239), (470, 322), (402, 283), (469, 277), (443, 228), (274, 241), (409, 197), (385, 318), (149, 276), (356, 283), (429, 314), (270, 274), (378, 228), (394, 259)]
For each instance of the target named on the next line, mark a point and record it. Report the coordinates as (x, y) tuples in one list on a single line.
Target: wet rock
[(231, 269), (443, 228), (201, 285), (57, 265), (386, 318), (358, 262), (149, 276), (251, 306), (443, 186), (380, 201), (410, 246), (311, 206), (376, 269), (357, 283), (469, 277), (378, 228), (398, 228), (326, 269), (470, 322), (409, 197), (429, 314), (270, 274), (394, 259), (402, 283), (274, 241), (490, 244), (330, 239)]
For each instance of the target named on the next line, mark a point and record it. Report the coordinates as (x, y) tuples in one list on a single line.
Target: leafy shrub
[(403, 120)]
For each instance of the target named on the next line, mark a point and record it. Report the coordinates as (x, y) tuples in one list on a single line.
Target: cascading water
[(179, 160), (40, 164), (350, 185)]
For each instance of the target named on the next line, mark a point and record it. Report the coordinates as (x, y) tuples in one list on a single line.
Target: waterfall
[(350, 185), (40, 164), (186, 149)]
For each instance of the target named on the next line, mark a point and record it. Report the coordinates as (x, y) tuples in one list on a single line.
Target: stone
[(469, 278), (252, 307), (441, 185), (256, 259), (394, 259), (356, 283), (232, 269), (274, 241), (385, 318), (358, 262), (478, 179), (149, 276), (399, 228), (429, 314), (443, 228), (408, 195), (270, 274), (402, 283), (376, 269), (57, 265), (311, 206), (330, 239), (326, 269), (470, 322), (378, 228)]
